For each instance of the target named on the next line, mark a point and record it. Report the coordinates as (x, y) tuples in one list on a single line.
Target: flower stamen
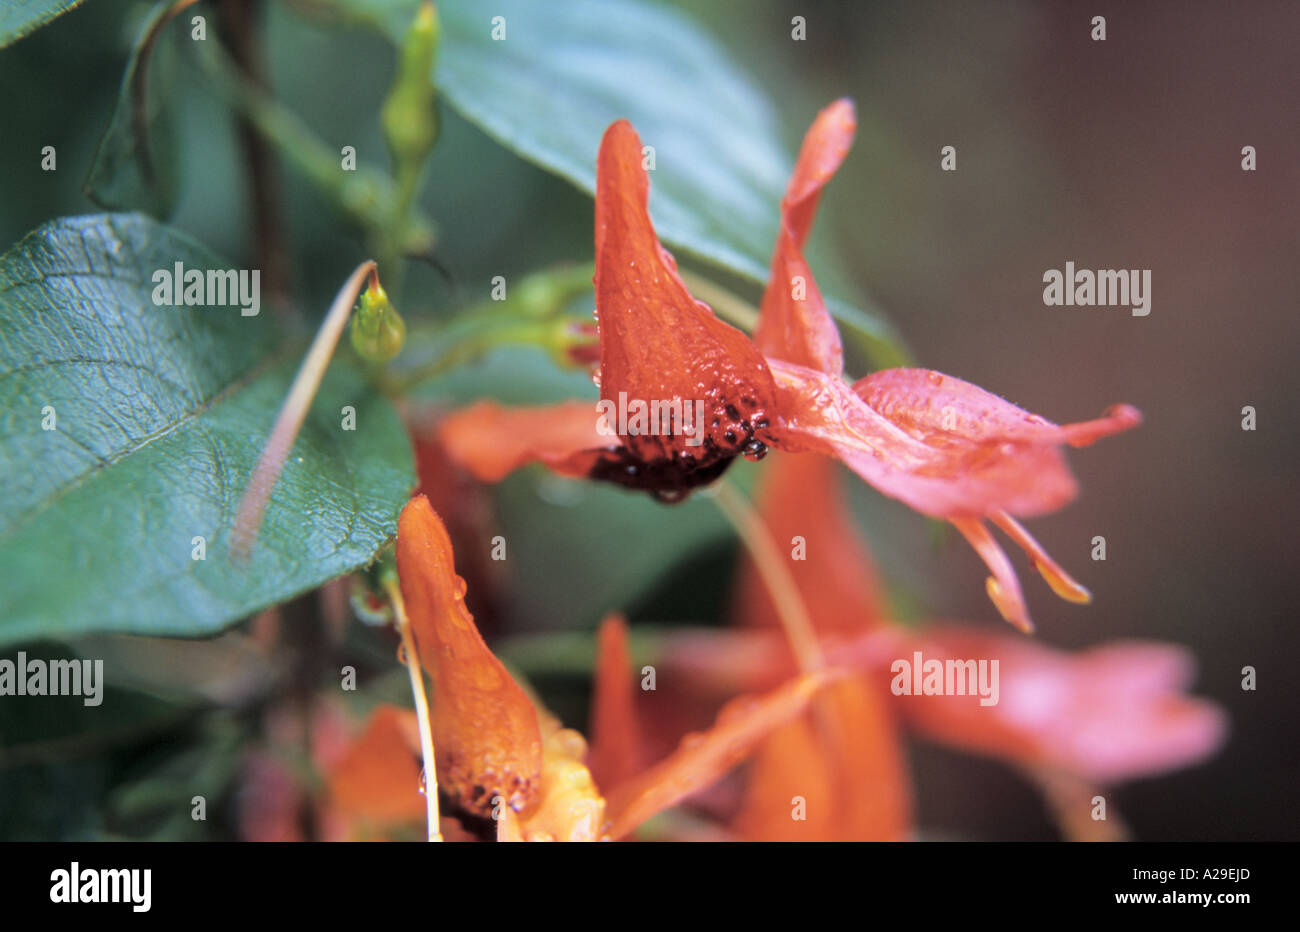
[(1003, 587), (1062, 583)]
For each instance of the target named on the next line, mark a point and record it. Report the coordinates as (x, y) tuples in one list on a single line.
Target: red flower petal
[(616, 749), (377, 781), (948, 449), (657, 343), (795, 325), (943, 446), (843, 760), (487, 741)]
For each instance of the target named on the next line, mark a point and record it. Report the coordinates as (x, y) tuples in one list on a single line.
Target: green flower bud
[(377, 330)]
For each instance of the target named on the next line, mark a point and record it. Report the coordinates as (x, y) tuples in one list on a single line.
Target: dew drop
[(935, 378), (401, 654), (755, 450), (424, 782), (459, 588)]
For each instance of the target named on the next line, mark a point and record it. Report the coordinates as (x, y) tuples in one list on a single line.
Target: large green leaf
[(160, 414), (565, 71), (20, 17)]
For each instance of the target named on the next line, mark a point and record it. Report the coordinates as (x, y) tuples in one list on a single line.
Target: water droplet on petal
[(755, 450)]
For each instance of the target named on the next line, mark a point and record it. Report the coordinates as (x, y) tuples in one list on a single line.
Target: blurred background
[(1117, 154)]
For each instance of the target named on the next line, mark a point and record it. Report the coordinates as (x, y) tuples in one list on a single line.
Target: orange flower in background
[(501, 756), (1070, 722), (943, 446), (844, 758)]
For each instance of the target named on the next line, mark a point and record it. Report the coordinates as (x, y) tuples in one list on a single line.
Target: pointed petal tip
[(842, 110), (1116, 419), (619, 128), (487, 740)]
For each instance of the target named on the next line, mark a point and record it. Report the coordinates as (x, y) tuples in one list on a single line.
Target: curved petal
[(949, 449), (490, 440), (657, 343), (940, 409), (703, 758), (616, 748), (1105, 715), (943, 446), (794, 324), (487, 741), (377, 780)]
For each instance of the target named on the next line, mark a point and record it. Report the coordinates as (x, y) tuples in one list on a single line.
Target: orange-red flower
[(502, 756), (945, 447)]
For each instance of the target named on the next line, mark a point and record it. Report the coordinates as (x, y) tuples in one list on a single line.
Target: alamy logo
[(36, 677), (78, 885), (638, 418), (182, 287), (921, 677), (1104, 288)]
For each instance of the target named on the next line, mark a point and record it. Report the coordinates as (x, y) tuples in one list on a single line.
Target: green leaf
[(21, 17), (159, 415), (564, 72), (135, 163)]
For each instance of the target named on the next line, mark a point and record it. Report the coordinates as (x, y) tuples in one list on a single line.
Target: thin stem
[(296, 405), (412, 662), (466, 339), (367, 196), (776, 575), (239, 20)]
